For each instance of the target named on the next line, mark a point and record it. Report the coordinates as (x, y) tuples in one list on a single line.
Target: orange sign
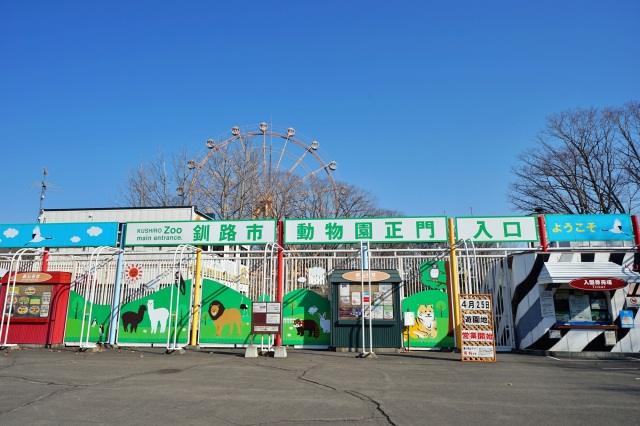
[(32, 277), (364, 276)]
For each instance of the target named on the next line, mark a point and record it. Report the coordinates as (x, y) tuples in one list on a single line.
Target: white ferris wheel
[(260, 172)]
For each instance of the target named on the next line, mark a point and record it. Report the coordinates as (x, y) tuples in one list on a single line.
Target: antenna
[(42, 191)]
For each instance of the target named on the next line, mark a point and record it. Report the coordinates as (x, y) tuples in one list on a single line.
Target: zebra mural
[(550, 314)]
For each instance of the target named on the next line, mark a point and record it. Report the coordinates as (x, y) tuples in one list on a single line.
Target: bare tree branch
[(577, 165)]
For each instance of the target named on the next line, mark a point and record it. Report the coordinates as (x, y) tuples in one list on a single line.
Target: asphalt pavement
[(146, 386)]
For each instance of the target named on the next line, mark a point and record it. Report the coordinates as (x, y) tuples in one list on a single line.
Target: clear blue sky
[(426, 104)]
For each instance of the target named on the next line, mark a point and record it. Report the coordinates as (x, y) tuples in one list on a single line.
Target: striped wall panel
[(532, 330)]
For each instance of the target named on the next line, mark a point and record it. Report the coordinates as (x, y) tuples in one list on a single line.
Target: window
[(581, 307), (351, 300)]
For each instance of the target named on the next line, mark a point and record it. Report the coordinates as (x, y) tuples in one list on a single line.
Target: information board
[(27, 301), (352, 299), (579, 307), (266, 318), (546, 304), (478, 339)]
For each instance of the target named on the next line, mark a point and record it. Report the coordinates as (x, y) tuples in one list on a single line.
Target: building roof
[(564, 272), (122, 214)]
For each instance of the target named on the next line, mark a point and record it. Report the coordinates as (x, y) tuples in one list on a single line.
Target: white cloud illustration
[(10, 232), (94, 231), (75, 239)]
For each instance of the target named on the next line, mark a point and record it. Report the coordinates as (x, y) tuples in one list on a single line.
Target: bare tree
[(575, 167), (149, 184), (626, 120)]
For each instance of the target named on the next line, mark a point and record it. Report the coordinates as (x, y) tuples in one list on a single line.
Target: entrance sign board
[(375, 230), (491, 229), (201, 233), (86, 234), (588, 227), (478, 339)]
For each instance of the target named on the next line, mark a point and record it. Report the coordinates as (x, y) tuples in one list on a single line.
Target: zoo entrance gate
[(156, 293)]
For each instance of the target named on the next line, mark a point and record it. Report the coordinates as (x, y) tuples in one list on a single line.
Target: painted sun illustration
[(133, 272)]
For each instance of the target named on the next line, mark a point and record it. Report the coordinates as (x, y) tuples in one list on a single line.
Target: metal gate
[(481, 271)]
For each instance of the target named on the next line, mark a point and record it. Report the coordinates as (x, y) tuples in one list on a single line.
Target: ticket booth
[(35, 309), (354, 298)]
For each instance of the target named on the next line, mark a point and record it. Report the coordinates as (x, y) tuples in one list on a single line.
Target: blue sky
[(426, 104)]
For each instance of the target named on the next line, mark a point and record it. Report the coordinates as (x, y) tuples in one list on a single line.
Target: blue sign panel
[(90, 234), (626, 319), (588, 227)]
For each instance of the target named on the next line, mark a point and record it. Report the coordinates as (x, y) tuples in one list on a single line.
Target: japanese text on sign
[(475, 304), (477, 335), (403, 229), (266, 317), (478, 351), (199, 232), (588, 227), (497, 229), (475, 319)]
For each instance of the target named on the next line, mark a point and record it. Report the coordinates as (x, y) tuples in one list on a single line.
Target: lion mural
[(222, 316)]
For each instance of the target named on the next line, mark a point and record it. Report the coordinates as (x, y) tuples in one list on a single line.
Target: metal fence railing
[(253, 273)]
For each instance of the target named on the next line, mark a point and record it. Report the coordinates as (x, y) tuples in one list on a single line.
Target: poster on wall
[(626, 319), (546, 304), (29, 301), (378, 303), (579, 307)]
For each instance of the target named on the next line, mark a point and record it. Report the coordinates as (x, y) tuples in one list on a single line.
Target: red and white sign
[(598, 284), (477, 336), (633, 302)]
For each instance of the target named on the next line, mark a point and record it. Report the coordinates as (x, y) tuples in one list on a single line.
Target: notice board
[(266, 318), (478, 339)]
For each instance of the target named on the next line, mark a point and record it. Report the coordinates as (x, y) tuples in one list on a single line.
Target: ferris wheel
[(258, 172)]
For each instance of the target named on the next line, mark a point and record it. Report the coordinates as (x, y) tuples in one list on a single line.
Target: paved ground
[(221, 387)]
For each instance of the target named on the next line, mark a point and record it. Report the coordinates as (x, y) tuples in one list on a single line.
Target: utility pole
[(42, 191)]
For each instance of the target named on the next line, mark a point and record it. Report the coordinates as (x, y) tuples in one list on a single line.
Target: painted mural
[(432, 312), (541, 322), (152, 319), (226, 315), (96, 319), (306, 319)]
